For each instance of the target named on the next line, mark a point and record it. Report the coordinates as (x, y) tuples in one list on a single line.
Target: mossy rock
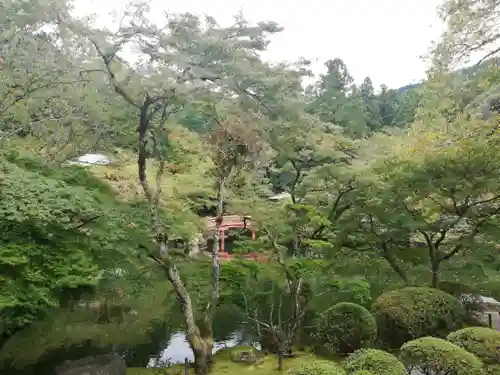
[(374, 361), (413, 312), (440, 357), (239, 353), (481, 341)]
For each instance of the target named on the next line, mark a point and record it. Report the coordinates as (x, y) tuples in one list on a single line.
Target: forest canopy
[(345, 191)]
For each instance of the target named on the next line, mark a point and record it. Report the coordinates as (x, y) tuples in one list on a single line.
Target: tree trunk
[(435, 274), (202, 352), (280, 360)]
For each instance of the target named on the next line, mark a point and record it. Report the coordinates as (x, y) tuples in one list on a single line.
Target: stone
[(108, 364)]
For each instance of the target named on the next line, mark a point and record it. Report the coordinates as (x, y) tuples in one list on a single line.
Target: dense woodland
[(392, 215)]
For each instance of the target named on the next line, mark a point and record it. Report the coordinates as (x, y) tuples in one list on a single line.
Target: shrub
[(412, 312), (374, 361), (481, 341), (317, 368), (493, 370), (346, 327), (440, 357), (364, 372)]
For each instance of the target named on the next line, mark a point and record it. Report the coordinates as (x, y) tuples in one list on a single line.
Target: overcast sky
[(382, 39)]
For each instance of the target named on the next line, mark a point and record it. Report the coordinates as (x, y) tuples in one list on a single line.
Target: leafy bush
[(317, 368), (346, 327), (374, 361), (493, 370), (481, 341), (410, 313), (364, 372), (440, 357)]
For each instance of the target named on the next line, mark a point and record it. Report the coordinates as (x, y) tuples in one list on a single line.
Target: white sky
[(383, 39)]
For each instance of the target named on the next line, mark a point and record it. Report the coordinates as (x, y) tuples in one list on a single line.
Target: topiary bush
[(432, 355), (346, 327), (481, 341), (317, 368), (414, 312), (493, 370), (374, 361)]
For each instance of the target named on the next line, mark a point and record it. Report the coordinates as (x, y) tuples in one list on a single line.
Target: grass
[(223, 366)]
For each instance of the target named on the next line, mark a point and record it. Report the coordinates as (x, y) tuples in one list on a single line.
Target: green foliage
[(346, 327), (492, 370), (317, 368), (343, 289), (412, 312), (441, 357), (371, 208), (374, 361), (364, 372), (480, 341), (45, 252)]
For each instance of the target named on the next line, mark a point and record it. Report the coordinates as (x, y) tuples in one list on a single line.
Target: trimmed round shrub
[(346, 327), (493, 370), (440, 357), (374, 361), (317, 368), (413, 312), (481, 341)]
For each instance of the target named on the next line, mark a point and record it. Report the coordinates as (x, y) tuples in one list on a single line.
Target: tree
[(370, 107), (332, 101), (45, 256), (185, 61), (45, 97), (471, 29), (273, 301), (449, 198)]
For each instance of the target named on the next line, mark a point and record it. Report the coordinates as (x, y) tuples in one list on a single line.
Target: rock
[(248, 357), (108, 364)]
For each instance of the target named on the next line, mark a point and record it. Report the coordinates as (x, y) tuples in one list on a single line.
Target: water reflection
[(178, 348)]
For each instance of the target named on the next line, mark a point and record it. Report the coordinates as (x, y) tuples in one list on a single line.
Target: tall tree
[(181, 63), (370, 106), (331, 99)]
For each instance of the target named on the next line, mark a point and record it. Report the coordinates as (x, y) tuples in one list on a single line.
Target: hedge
[(345, 328), (481, 341), (317, 368), (413, 312), (440, 357), (374, 361)]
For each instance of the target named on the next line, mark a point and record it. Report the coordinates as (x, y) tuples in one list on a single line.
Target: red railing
[(230, 221)]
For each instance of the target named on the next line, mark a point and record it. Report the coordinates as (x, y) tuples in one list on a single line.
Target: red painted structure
[(230, 222)]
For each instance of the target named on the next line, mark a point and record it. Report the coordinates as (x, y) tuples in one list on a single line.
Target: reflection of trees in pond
[(157, 339), (78, 337), (137, 352), (226, 323)]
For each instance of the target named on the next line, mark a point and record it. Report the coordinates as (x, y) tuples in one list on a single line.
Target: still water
[(178, 348)]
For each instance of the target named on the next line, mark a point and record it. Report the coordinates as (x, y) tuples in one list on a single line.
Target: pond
[(178, 348)]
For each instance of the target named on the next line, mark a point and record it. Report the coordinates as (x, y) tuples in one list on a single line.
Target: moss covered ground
[(267, 365)]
